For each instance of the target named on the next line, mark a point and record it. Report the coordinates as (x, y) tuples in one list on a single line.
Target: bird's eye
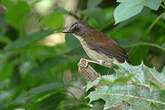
[(76, 28)]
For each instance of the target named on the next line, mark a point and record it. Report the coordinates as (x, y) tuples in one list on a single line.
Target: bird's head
[(80, 29)]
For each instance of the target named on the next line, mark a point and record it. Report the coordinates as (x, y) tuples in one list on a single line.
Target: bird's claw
[(83, 62)]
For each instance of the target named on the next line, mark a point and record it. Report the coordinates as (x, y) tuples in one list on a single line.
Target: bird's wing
[(108, 47)]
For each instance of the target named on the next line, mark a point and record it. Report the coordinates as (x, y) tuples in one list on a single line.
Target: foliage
[(128, 85), (129, 8), (36, 76)]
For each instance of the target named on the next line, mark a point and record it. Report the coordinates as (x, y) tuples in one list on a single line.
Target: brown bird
[(100, 48)]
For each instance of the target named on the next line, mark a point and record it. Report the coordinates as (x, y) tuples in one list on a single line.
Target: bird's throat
[(78, 37)]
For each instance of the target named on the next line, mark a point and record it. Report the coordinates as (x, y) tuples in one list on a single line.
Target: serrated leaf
[(144, 74), (135, 85), (100, 93)]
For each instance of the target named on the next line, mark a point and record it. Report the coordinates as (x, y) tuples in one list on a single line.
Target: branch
[(86, 71), (74, 15)]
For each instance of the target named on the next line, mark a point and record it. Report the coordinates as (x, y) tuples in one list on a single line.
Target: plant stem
[(162, 6), (146, 44), (144, 37)]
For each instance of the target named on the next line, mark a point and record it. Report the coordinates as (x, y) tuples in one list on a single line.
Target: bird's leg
[(99, 62), (91, 61), (108, 64), (102, 62)]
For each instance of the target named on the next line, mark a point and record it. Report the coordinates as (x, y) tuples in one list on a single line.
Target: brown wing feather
[(107, 46)]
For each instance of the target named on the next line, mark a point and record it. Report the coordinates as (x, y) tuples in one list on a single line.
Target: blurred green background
[(38, 63)]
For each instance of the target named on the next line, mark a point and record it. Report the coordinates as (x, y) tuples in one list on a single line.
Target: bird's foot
[(83, 63)]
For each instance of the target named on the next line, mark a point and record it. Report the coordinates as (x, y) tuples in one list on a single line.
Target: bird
[(99, 47)]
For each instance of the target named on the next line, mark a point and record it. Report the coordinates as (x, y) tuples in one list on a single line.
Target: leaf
[(40, 89), (95, 13), (130, 1), (153, 4), (28, 39), (128, 44), (72, 41), (62, 10), (129, 84), (54, 20), (16, 13), (77, 53), (76, 49), (93, 3), (53, 100), (130, 8), (137, 54), (6, 67), (125, 11)]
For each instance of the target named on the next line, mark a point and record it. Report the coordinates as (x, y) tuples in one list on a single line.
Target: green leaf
[(93, 3), (77, 53), (16, 13), (38, 90), (62, 11), (125, 11), (28, 39), (95, 13), (137, 54), (130, 1), (54, 20), (129, 84), (76, 49), (72, 41), (6, 67), (128, 44), (153, 4), (130, 8)]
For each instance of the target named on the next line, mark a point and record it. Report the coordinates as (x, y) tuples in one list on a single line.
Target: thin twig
[(162, 6), (74, 15), (86, 71), (152, 25), (146, 44)]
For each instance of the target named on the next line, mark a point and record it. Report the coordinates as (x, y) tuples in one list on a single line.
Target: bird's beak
[(67, 31)]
